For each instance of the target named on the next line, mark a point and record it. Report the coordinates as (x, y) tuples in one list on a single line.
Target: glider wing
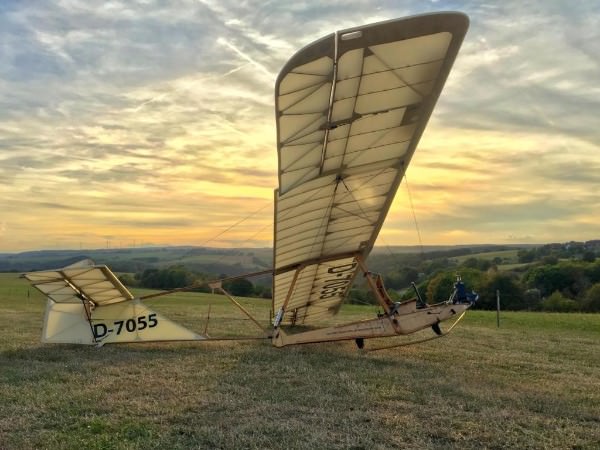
[(351, 108)]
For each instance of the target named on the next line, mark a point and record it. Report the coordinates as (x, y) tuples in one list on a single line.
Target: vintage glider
[(350, 110)]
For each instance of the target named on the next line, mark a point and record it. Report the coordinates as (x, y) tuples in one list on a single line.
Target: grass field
[(508, 256), (532, 383)]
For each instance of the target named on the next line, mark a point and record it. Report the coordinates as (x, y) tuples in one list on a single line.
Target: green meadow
[(532, 383)]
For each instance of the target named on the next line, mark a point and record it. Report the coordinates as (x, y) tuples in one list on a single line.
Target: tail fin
[(133, 321), (129, 321), (66, 323), (87, 304)]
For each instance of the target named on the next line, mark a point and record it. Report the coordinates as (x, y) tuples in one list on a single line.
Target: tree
[(526, 256), (442, 285), (592, 271), (402, 278), (150, 278), (532, 299), (549, 259), (474, 263), (591, 301), (589, 256), (358, 297), (511, 292), (240, 287), (170, 278), (128, 280), (262, 291), (567, 277)]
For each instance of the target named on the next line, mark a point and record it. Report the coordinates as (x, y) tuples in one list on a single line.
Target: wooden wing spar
[(350, 108)]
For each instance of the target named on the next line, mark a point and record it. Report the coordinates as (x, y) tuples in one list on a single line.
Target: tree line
[(179, 276), (566, 286), (547, 284), (554, 277)]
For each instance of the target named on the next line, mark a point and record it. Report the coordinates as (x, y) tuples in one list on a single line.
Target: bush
[(558, 303)]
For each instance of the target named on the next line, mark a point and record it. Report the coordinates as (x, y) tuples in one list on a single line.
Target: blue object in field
[(461, 295)]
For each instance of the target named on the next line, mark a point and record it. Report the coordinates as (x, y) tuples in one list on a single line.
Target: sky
[(141, 123)]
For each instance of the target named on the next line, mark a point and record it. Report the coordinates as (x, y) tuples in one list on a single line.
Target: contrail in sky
[(244, 56)]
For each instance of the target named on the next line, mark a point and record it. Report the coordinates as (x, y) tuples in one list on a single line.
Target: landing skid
[(384, 326)]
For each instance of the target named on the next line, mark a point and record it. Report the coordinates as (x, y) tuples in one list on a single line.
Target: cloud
[(532, 71), (154, 121)]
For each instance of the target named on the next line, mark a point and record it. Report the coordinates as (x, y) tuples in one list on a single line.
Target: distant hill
[(208, 260), (230, 261), (567, 273)]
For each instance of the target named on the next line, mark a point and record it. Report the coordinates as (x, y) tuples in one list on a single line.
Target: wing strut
[(281, 311), (219, 286), (87, 303)]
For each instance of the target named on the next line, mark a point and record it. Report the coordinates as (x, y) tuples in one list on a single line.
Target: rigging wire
[(235, 224), (229, 228), (387, 246), (414, 214), (364, 216)]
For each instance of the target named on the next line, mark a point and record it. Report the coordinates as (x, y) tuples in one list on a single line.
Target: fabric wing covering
[(82, 279), (87, 304), (350, 109)]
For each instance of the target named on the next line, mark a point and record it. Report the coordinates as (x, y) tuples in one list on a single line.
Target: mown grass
[(532, 383)]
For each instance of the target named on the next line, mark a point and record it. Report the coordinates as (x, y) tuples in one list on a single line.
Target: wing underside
[(351, 109), (80, 281)]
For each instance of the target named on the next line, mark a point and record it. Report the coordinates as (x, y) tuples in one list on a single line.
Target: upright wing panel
[(350, 109)]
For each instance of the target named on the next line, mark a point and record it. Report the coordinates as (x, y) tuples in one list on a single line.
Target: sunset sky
[(152, 122)]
